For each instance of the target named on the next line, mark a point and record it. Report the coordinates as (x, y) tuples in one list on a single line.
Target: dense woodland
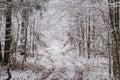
[(59, 39)]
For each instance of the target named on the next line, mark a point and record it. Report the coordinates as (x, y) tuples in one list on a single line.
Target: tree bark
[(0, 52), (24, 29), (88, 41), (8, 38), (24, 33), (114, 24), (109, 56)]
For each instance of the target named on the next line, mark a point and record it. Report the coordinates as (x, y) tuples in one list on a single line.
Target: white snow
[(56, 61)]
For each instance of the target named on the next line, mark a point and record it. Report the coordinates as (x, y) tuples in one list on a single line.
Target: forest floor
[(53, 63)]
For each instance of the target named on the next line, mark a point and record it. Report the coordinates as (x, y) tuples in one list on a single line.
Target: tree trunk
[(109, 57), (16, 42), (24, 29), (0, 52), (114, 22), (24, 33), (88, 41), (8, 38), (83, 40), (33, 42)]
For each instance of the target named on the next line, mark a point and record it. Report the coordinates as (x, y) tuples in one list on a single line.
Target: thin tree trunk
[(109, 58), (0, 52), (78, 40), (88, 42), (30, 37), (16, 42), (25, 27), (33, 46), (83, 40), (33, 43), (0, 38)]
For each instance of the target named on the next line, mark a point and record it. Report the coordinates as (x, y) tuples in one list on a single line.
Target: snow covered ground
[(55, 65)]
